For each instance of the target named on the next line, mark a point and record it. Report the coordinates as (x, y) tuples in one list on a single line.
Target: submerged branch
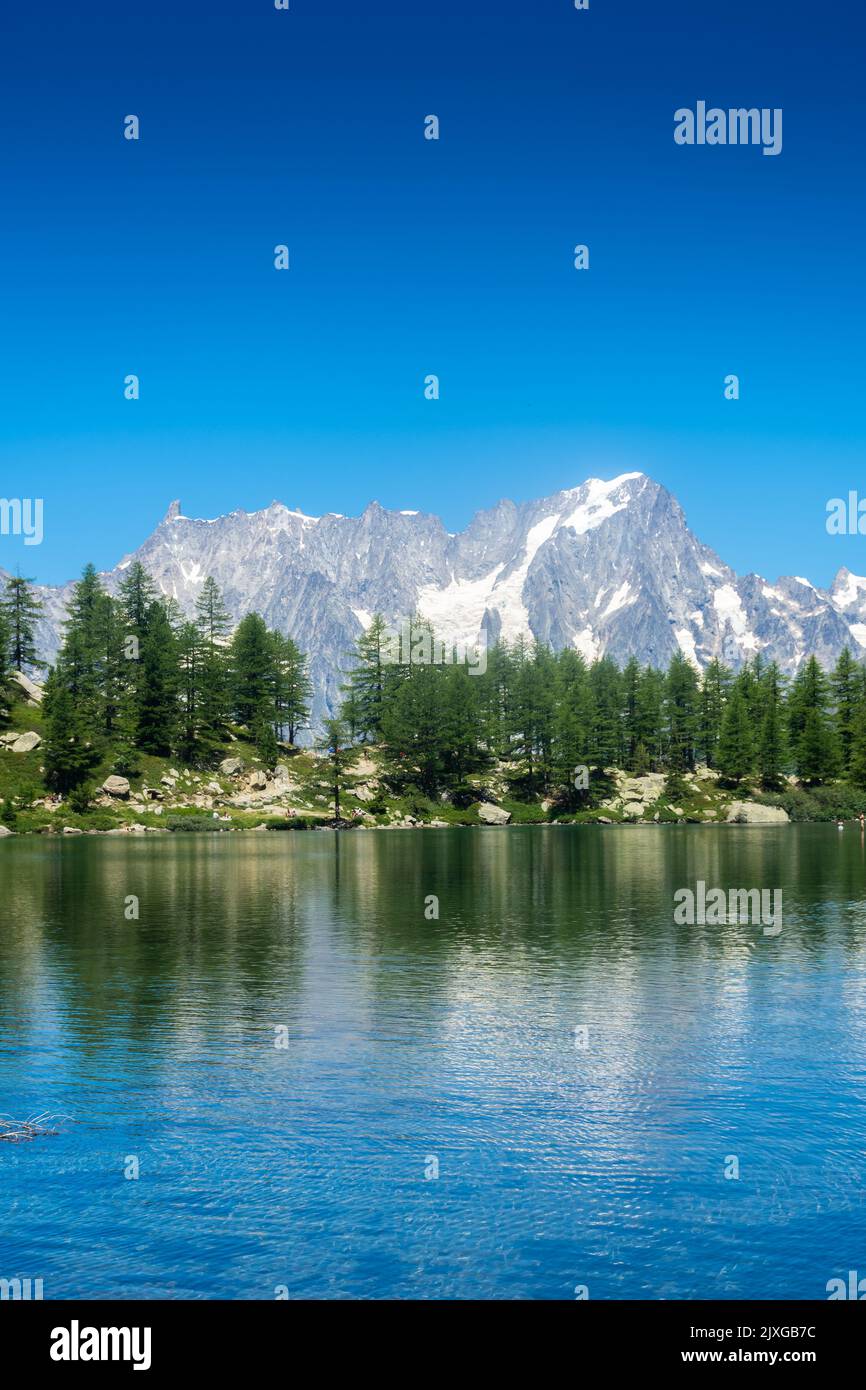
[(18, 1131)]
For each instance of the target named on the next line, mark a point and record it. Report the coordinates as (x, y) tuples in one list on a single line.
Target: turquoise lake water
[(329, 1093)]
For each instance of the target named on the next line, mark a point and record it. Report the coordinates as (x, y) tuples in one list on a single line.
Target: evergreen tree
[(252, 666), (607, 740), (112, 666), (681, 714), (158, 689), (191, 728), (816, 753), (266, 743), (5, 670), (845, 684), (412, 730), (82, 653), (137, 594), (339, 757), (573, 724), (857, 763), (649, 717), (67, 750), (292, 686), (812, 738), (772, 745), (460, 729), (211, 615), (369, 677), (21, 611), (736, 750), (714, 689), (629, 687)]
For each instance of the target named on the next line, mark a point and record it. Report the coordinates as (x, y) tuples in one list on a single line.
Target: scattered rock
[(72, 830), (4, 830), (117, 787), (648, 788), (33, 691), (604, 820), (365, 792), (753, 813), (25, 743), (493, 815)]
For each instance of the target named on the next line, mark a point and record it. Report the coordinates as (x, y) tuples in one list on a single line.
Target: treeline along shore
[(155, 719)]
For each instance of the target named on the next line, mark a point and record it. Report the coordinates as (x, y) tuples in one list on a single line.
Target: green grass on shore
[(704, 800)]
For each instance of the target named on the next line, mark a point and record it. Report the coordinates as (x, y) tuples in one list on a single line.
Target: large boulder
[(33, 691), (493, 815), (25, 743), (258, 781), (633, 810), (231, 767), (118, 787), (4, 830), (753, 813), (648, 788)]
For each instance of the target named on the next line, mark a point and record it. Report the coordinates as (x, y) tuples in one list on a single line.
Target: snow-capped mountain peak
[(607, 566)]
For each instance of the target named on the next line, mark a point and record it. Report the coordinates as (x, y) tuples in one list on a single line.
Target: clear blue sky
[(409, 257)]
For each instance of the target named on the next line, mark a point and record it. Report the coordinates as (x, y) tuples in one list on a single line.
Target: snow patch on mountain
[(847, 589), (599, 501), (729, 607)]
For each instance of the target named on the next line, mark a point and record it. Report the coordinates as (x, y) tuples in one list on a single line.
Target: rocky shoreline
[(241, 796)]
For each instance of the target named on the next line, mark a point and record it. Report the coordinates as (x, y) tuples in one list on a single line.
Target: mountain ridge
[(608, 567)]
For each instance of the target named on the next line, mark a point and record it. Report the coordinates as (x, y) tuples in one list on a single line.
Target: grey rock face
[(606, 568), (753, 813)]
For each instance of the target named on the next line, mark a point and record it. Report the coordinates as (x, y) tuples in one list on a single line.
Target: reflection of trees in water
[(220, 931), (232, 927)]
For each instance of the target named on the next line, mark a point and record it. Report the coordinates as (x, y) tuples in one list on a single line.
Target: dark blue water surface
[(414, 1042)]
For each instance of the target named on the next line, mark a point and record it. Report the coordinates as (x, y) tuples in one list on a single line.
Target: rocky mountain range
[(605, 567)]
